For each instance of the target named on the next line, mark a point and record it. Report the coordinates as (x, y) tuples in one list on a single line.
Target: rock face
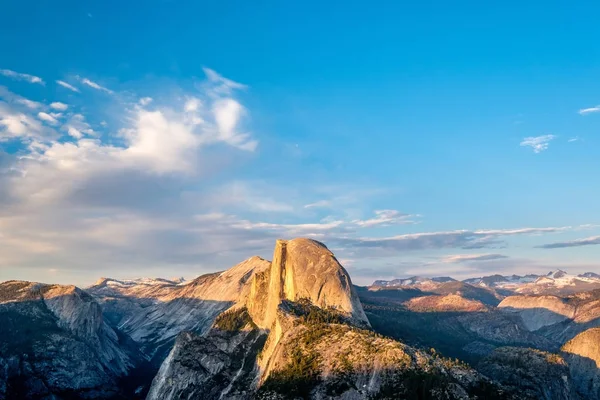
[(301, 332), (535, 374), (154, 313), (218, 365), (583, 356), (306, 269), (539, 311), (54, 341)]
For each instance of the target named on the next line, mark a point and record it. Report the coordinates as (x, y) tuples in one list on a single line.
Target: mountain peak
[(306, 269), (556, 274)]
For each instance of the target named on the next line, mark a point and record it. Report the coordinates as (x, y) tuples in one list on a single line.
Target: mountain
[(556, 282), (415, 281), (54, 342), (302, 332), (589, 275), (154, 312), (502, 282), (558, 318), (539, 311)]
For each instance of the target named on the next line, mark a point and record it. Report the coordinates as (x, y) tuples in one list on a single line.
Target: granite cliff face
[(55, 342), (306, 269)]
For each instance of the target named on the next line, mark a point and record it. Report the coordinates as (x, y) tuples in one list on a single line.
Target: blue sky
[(170, 138)]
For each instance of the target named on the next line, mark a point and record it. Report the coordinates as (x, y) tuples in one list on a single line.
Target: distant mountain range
[(296, 327), (554, 282)]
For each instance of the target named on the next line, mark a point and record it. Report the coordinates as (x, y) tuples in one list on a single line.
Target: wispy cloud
[(67, 86), (310, 229), (222, 85), (538, 143), (573, 243), (28, 103), (386, 218), (22, 77), (13, 98), (465, 239), (319, 204), (94, 85), (585, 111), (458, 258)]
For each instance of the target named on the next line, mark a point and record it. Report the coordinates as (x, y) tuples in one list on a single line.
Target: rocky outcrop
[(583, 356), (55, 342), (306, 269), (533, 373), (216, 366), (539, 311)]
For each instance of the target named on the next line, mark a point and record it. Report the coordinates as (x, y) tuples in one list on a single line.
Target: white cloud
[(228, 113), (73, 195), (48, 118), (386, 218), (590, 110), (291, 230), (192, 104), (163, 144), (21, 77), (67, 86), (16, 123), (538, 143), (94, 85), (57, 105), (77, 126)]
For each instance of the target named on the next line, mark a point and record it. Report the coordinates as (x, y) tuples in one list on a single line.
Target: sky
[(177, 138)]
